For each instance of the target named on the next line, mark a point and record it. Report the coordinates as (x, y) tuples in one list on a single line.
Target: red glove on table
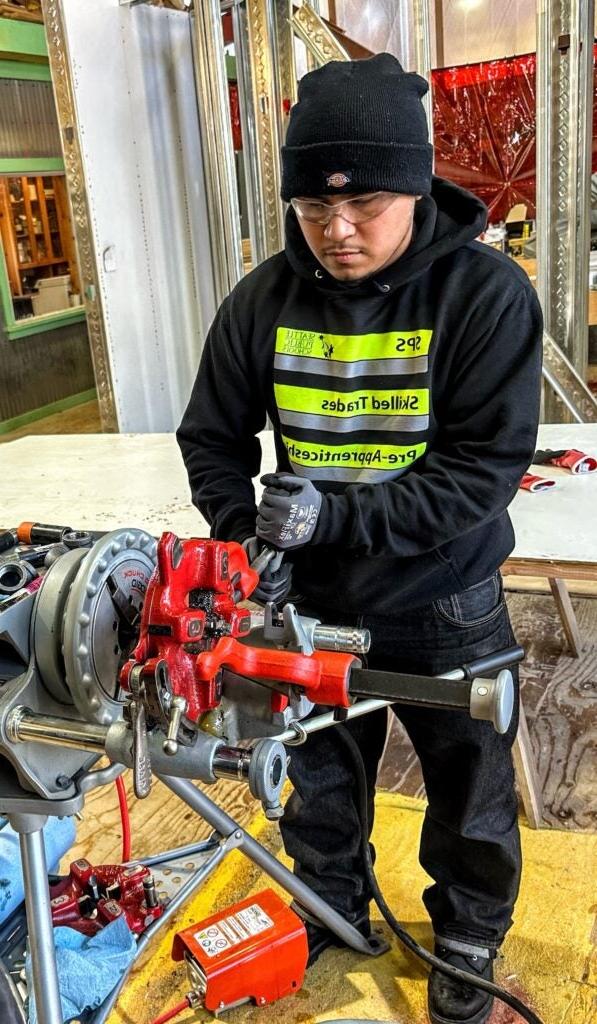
[(530, 482), (566, 458)]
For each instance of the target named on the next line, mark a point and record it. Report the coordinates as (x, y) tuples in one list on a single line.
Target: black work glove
[(288, 511), (275, 580)]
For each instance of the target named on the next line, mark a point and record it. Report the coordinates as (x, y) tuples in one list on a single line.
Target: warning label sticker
[(232, 930)]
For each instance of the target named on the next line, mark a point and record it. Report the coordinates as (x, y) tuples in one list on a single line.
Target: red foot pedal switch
[(255, 951)]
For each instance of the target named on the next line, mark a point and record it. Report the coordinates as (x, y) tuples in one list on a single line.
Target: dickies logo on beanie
[(337, 180), (365, 115)]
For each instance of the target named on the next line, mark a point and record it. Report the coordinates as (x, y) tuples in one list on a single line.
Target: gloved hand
[(288, 511), (275, 580)]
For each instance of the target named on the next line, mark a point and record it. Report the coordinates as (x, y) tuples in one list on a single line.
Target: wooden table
[(556, 530), (105, 481), (98, 482)]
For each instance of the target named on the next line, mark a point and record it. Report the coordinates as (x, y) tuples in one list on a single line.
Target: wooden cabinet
[(36, 232)]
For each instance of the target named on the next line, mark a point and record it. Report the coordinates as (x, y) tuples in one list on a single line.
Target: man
[(399, 362)]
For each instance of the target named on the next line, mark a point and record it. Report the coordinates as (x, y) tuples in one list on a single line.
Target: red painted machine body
[(255, 950), (91, 897), (191, 622), (191, 602)]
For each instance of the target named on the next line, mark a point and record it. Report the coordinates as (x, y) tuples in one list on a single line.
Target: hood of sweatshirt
[(446, 219)]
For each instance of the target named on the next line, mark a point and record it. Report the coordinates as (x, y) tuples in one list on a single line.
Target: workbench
[(104, 481), (555, 529)]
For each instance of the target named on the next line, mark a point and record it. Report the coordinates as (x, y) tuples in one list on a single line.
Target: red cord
[(172, 1013), (124, 817)]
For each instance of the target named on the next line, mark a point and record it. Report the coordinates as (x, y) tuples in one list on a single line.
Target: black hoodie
[(410, 398)]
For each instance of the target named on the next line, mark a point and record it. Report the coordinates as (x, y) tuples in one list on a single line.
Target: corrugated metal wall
[(28, 124), (43, 368)]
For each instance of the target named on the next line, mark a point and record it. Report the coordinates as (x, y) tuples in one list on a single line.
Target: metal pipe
[(350, 639), (341, 638), (177, 853), (23, 724), (563, 395), (41, 932), (301, 730), (232, 763)]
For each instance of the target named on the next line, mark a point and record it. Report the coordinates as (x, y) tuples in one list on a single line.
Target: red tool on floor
[(255, 951), (91, 897)]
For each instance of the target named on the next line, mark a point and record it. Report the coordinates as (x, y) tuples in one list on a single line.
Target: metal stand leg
[(39, 918), (196, 880), (227, 826)]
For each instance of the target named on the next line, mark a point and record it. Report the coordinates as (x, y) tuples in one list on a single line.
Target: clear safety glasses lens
[(355, 210)]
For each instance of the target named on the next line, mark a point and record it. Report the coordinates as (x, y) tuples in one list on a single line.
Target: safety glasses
[(355, 210)]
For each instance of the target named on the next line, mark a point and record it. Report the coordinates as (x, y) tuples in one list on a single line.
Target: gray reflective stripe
[(347, 424), (356, 475), (468, 948), (364, 367)]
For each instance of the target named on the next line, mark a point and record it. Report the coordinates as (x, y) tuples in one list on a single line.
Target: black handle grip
[(493, 662)]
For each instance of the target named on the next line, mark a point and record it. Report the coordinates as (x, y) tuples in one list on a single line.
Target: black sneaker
[(451, 1001)]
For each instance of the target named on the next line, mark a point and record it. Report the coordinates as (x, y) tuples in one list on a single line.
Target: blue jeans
[(469, 843)]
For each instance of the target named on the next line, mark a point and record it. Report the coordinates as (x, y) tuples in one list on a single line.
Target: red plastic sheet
[(237, 138), (484, 130)]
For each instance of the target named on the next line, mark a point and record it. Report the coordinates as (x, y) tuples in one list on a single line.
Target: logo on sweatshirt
[(337, 180)]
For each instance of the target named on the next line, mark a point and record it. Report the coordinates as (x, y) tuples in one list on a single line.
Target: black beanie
[(358, 126)]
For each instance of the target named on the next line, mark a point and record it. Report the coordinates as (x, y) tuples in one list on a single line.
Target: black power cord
[(453, 972)]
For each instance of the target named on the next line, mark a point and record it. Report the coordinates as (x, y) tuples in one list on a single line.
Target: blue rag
[(88, 967), (59, 836)]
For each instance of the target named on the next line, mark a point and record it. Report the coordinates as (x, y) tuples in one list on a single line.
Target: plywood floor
[(546, 960)]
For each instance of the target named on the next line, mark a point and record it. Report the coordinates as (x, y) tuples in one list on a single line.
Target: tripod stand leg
[(227, 826), (39, 917)]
